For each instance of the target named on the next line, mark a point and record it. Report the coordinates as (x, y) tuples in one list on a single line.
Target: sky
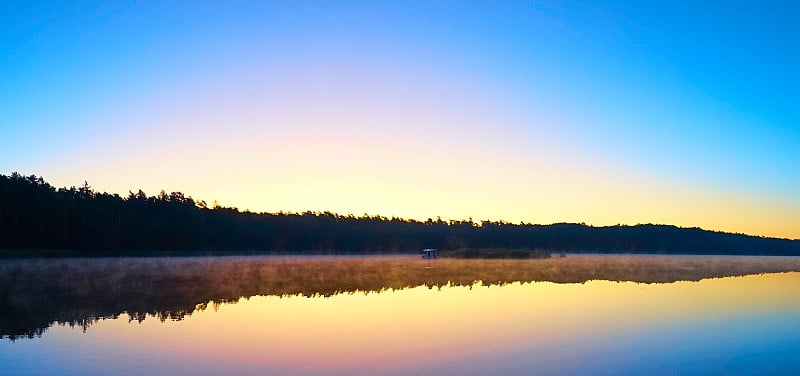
[(601, 113)]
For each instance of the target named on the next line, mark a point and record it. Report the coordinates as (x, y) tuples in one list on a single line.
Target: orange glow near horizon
[(427, 181), (311, 149)]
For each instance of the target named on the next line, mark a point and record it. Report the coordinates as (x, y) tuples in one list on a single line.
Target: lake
[(583, 314)]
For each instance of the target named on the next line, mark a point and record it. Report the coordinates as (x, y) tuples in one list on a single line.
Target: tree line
[(35, 216)]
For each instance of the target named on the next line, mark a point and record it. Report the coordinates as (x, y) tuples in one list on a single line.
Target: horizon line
[(216, 205)]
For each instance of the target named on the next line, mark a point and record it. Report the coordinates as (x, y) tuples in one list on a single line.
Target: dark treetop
[(37, 219)]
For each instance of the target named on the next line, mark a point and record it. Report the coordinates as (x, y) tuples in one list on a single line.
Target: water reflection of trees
[(35, 294)]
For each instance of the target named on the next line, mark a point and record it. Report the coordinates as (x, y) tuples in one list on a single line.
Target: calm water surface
[(132, 318)]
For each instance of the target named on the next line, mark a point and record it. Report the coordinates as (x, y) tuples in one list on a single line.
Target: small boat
[(429, 253)]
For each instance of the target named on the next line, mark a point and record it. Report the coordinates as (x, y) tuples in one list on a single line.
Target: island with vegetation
[(495, 253), (37, 219)]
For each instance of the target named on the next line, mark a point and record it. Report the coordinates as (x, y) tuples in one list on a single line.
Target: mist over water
[(400, 315)]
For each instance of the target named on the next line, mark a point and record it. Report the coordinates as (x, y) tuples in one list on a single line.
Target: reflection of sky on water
[(739, 324)]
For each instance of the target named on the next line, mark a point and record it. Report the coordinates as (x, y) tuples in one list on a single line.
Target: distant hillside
[(36, 217)]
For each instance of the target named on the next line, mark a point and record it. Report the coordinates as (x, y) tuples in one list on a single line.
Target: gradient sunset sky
[(598, 112)]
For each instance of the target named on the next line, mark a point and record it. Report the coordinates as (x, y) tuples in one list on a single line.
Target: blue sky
[(677, 104)]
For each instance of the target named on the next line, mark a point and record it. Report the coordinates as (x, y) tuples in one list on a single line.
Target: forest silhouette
[(36, 219)]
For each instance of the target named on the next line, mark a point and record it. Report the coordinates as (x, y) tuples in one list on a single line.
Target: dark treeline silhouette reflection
[(37, 293), (38, 220)]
